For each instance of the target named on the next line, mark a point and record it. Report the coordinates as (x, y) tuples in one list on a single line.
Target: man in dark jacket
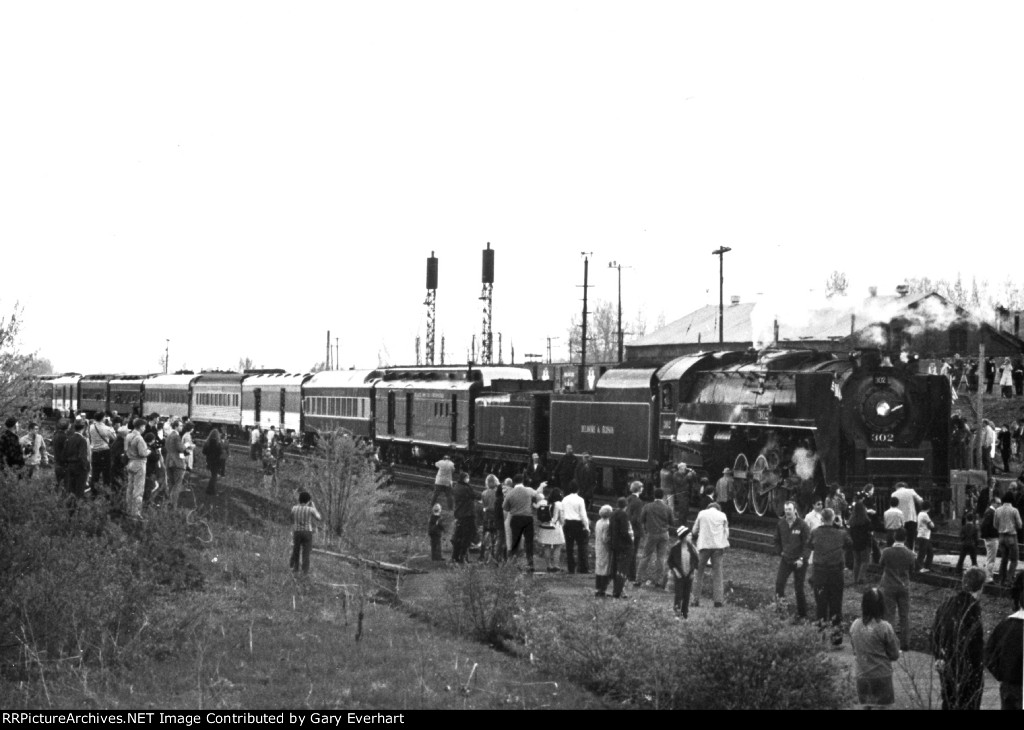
[(60, 440), (586, 479), (634, 507), (76, 461), (686, 485), (792, 545), (536, 472), (10, 446), (465, 518), (1003, 651), (621, 547), (829, 544), (958, 645), (566, 469), (656, 519)]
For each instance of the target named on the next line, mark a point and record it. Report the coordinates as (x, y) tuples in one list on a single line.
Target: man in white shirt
[(813, 518), (100, 436), (711, 529), (910, 502), (576, 526), (443, 481), (254, 443)]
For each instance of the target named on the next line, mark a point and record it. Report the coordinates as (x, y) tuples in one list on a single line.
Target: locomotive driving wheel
[(740, 488), (760, 492)]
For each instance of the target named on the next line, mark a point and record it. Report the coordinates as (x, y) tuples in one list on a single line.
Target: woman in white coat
[(603, 551)]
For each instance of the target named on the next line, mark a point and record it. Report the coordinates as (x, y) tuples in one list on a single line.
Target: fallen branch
[(380, 565)]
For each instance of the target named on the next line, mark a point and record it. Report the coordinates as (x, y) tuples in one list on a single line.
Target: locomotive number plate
[(758, 414), (882, 438), (881, 380)]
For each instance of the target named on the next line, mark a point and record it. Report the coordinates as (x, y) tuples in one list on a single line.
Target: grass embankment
[(256, 637)]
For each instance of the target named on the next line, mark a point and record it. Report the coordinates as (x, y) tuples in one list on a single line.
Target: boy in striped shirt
[(303, 515)]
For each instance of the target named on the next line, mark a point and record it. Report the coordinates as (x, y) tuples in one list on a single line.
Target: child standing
[(682, 561), (925, 552), (269, 470), (968, 540), (303, 515), (435, 529)]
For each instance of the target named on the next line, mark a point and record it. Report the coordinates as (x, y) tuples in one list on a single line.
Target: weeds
[(481, 602), (724, 660), (79, 586)]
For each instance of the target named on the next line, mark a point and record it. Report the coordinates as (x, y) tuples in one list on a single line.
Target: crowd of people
[(966, 374), (132, 462), (652, 543)]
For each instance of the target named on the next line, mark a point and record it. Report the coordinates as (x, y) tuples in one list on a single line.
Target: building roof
[(835, 321), (702, 326)]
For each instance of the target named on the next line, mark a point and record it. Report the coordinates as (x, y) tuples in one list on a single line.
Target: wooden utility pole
[(720, 253), (980, 406), (581, 384)]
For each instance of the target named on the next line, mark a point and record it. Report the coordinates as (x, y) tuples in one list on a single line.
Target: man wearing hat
[(723, 491), (682, 561)]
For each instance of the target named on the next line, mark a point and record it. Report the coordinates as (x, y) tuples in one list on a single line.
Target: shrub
[(481, 602), (723, 660), (75, 583)]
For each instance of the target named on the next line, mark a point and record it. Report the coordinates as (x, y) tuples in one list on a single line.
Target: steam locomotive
[(789, 423)]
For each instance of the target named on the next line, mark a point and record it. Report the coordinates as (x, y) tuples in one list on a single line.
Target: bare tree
[(244, 363), (344, 486), (837, 283), (953, 291), (602, 333), (20, 389), (639, 326)]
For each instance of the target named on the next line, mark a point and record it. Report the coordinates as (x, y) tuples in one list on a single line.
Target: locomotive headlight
[(883, 410)]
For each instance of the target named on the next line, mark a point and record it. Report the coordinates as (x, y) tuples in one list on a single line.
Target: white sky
[(240, 177)]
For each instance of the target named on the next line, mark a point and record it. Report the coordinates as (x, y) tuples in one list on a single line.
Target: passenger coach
[(422, 413), (274, 400), (94, 394), (169, 395), (64, 389), (125, 394), (334, 399), (216, 401)]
